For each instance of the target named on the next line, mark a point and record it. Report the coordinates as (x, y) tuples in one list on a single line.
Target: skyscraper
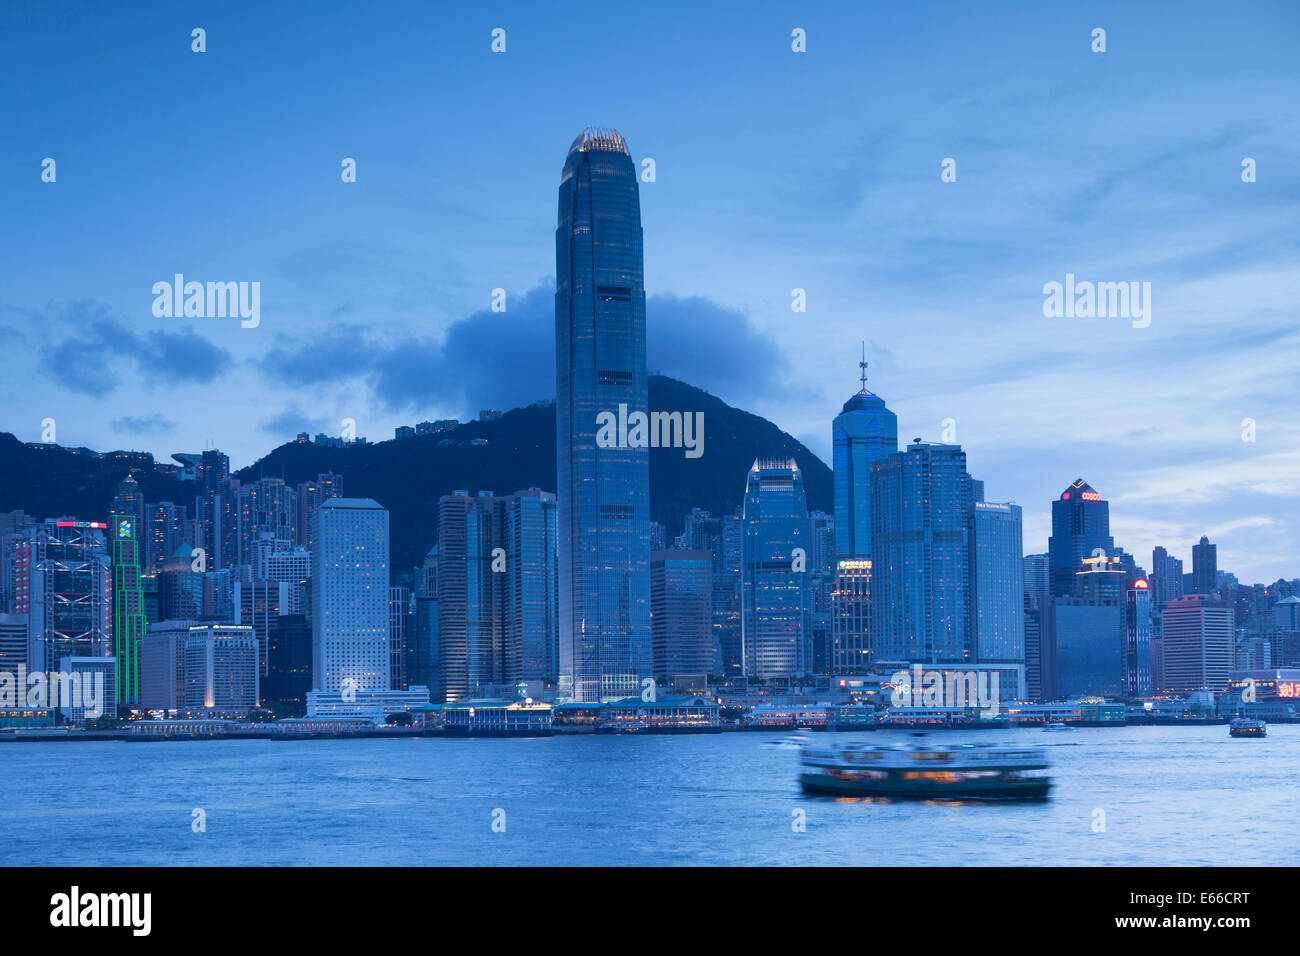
[(682, 617), (309, 496), (922, 508), (129, 623), (62, 579), (997, 588), (264, 508), (1205, 566), (776, 602), (1137, 638), (349, 615), (1080, 525), (129, 500), (532, 618), (471, 596), (603, 493), (851, 617), (1198, 644), (214, 509), (1036, 578), (1166, 578), (864, 431), (495, 584)]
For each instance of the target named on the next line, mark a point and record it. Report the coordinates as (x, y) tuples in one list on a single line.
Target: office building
[(1198, 646), (1205, 566), (129, 621), (681, 613), (863, 432), (776, 605), (350, 581), (221, 669), (603, 493), (1080, 526), (922, 510)]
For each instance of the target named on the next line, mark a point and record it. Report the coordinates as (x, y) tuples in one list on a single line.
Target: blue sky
[(775, 170)]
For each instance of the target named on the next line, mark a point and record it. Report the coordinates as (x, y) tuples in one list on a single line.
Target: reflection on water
[(1123, 796)]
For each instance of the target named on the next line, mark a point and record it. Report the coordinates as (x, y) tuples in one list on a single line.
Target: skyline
[(1150, 417)]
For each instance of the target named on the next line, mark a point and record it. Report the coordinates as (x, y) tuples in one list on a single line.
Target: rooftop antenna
[(863, 365)]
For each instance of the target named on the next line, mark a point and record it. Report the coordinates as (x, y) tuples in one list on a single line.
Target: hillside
[(408, 476)]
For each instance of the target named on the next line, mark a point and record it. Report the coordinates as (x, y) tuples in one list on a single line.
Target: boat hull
[(1028, 788)]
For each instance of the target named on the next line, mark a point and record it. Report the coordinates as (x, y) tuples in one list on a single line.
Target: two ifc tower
[(603, 501)]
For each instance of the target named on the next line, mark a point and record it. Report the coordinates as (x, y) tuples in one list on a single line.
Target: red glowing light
[(1140, 584)]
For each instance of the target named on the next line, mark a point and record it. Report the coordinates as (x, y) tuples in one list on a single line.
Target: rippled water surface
[(1169, 795)]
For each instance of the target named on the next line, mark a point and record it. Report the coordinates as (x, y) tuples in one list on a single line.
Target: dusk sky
[(775, 170)]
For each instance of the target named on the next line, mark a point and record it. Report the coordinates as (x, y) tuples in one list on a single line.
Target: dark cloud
[(156, 424), (94, 352), (507, 359), (288, 423)]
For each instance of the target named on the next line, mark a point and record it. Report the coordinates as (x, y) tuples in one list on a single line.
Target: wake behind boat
[(965, 771)]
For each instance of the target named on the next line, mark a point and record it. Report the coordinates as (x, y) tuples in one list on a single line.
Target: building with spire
[(603, 493), (864, 431)]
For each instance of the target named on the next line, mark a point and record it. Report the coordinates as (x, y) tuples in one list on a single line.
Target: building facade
[(603, 493)]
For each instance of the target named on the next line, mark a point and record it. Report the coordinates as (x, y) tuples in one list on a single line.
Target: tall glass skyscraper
[(776, 599), (129, 624), (922, 511), (864, 431), (997, 587), (1080, 525), (603, 494)]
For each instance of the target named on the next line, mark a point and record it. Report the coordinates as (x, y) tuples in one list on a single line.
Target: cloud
[(156, 424), (507, 359), (291, 421), (94, 351)]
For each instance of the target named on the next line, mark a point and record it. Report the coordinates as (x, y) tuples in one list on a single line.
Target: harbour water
[(1123, 796)]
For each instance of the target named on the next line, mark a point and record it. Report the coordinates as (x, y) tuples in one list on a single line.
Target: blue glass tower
[(776, 601), (603, 493), (1080, 526), (923, 509), (863, 432)]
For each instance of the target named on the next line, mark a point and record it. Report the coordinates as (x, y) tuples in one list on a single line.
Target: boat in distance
[(1247, 727), (919, 772)]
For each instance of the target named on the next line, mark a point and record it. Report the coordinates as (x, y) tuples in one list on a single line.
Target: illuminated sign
[(124, 528), (80, 524), (1288, 689), (1140, 584), (1089, 496)]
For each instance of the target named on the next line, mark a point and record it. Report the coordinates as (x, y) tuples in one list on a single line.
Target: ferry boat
[(964, 772), (1058, 725), (1246, 727), (793, 742)]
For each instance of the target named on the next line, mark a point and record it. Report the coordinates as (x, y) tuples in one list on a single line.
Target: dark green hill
[(408, 476)]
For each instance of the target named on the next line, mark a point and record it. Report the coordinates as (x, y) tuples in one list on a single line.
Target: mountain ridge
[(408, 475)]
